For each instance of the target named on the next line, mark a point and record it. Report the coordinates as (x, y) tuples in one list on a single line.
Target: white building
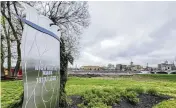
[(166, 66)]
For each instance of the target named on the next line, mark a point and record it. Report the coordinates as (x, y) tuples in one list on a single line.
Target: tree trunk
[(63, 80), (2, 70), (2, 58), (63, 76), (17, 67), (9, 53)]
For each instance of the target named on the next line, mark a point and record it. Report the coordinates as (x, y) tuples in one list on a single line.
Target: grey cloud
[(159, 38), (101, 35), (136, 22)]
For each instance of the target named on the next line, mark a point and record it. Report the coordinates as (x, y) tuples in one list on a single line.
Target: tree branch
[(17, 14)]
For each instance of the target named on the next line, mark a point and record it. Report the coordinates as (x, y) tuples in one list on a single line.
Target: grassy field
[(163, 84), (10, 92)]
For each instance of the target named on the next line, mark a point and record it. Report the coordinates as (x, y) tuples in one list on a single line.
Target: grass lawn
[(164, 84), (10, 92)]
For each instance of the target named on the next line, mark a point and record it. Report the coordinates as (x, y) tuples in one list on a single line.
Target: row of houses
[(132, 67), (118, 67)]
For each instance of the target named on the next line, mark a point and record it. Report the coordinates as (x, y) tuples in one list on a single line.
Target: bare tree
[(6, 32), (15, 26), (71, 17)]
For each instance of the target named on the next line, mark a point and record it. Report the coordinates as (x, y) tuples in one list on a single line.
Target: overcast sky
[(120, 31)]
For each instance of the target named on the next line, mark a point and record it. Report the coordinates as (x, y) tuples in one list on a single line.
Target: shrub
[(138, 90), (152, 91), (81, 106), (101, 105), (107, 90), (103, 97), (131, 96), (69, 101), (133, 100)]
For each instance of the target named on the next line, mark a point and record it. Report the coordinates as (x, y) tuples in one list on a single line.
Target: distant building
[(133, 67), (136, 68), (103, 68), (124, 67), (91, 67), (121, 67), (118, 67), (111, 67), (159, 66), (150, 69), (154, 69), (166, 66)]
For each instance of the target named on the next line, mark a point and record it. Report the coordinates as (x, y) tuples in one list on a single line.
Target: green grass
[(10, 92), (153, 84), (165, 77), (133, 85), (167, 104), (107, 97), (77, 85)]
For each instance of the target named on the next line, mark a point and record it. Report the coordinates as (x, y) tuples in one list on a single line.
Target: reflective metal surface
[(40, 63)]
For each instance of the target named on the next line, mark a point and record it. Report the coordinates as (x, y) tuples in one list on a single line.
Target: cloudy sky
[(120, 31)]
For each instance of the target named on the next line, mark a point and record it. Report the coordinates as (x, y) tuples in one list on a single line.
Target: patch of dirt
[(146, 101), (75, 101)]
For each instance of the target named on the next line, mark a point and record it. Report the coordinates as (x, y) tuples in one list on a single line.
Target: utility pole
[(76, 67), (147, 67), (175, 62)]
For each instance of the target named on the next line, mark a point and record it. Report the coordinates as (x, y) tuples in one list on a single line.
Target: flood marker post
[(40, 61)]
